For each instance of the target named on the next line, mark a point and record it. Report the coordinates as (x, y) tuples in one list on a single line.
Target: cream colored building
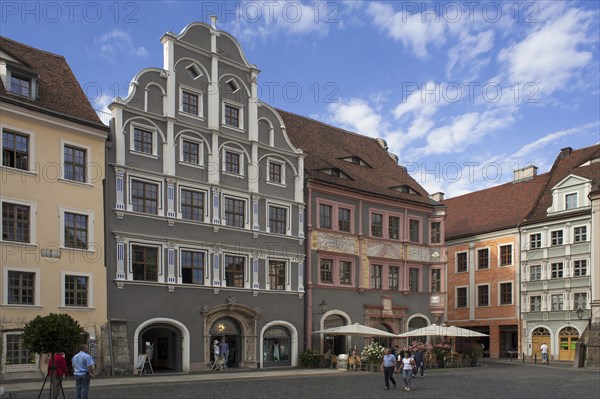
[(52, 242)]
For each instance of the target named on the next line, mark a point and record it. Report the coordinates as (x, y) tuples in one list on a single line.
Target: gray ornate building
[(205, 225)]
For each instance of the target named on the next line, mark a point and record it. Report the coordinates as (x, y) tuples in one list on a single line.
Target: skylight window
[(355, 160), (335, 172), (404, 189)]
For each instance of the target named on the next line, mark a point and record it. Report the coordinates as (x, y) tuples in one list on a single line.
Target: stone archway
[(245, 317), (539, 336)]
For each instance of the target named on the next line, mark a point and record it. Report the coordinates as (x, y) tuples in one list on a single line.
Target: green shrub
[(310, 358)]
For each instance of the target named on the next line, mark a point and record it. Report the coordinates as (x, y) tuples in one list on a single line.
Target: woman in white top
[(407, 370)]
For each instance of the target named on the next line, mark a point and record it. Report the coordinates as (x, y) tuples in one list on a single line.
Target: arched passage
[(169, 337)]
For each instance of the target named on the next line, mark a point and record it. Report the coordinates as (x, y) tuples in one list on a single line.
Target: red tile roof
[(58, 90), (326, 146), (492, 209), (563, 167)]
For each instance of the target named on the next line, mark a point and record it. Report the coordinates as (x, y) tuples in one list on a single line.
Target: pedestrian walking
[(389, 365), (419, 361), (224, 351), (544, 349), (407, 370), (83, 370)]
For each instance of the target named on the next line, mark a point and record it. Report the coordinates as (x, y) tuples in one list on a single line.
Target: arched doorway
[(414, 324), (165, 343), (567, 340), (539, 336), (227, 330), (277, 346), (337, 343)]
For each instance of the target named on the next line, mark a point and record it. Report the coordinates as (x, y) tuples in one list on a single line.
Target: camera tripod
[(51, 373)]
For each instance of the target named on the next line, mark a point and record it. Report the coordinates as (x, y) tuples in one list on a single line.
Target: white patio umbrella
[(356, 329), (445, 331)]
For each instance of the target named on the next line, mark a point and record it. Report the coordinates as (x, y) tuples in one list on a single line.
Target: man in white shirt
[(544, 349)]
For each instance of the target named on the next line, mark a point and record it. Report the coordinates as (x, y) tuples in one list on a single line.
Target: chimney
[(437, 197), (526, 173), (565, 152)]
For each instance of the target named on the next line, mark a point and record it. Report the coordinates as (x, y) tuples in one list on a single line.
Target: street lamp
[(579, 313), (323, 306)]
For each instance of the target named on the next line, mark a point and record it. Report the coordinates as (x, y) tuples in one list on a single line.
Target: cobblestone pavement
[(496, 379)]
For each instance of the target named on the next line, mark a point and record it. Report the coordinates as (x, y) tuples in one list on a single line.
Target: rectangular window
[(505, 255), (535, 304), (232, 116), (20, 85), (326, 270), (277, 275), (275, 172), (192, 267), (144, 263), (505, 293), (142, 141), (232, 162), (345, 272), (579, 268), (144, 197), (190, 152), (436, 280), (436, 232), (277, 219), (571, 201), (192, 205), (557, 302), (535, 272), (76, 230), (324, 216), (413, 279), (21, 288), (461, 297), (75, 163), (344, 219), (483, 295), (376, 271), (235, 212), (461, 262), (413, 230), (557, 270), (189, 102), (394, 227), (15, 150), (580, 234), (234, 271), (16, 353), (377, 225), (393, 273), (535, 240), (580, 300), (556, 237), (483, 258), (16, 222), (76, 290)]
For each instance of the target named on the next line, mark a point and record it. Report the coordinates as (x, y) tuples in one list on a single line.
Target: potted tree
[(374, 355), (474, 352)]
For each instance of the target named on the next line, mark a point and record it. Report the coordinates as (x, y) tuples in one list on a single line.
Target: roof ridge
[(498, 186), (543, 189), (30, 47)]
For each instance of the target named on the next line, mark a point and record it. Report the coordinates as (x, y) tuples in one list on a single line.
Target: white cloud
[(116, 44), (551, 55), (356, 115), (466, 52), (412, 29)]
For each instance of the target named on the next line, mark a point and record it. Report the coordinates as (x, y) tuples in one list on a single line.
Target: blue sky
[(463, 92)]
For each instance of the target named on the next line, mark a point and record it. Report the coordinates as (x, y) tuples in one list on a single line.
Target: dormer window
[(571, 201), (355, 160), (335, 172), (404, 189), (20, 85)]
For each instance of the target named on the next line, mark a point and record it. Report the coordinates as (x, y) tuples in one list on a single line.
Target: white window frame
[(88, 162), (456, 262), (489, 304), (587, 236), (240, 108), (18, 367), (288, 222), (247, 270), (550, 295), (529, 274), (32, 219), (199, 93), (237, 196), (541, 302), (197, 70), (540, 242), (160, 202), (151, 129), (195, 140), (179, 268), (145, 243), (489, 266), (587, 299), (512, 293), (287, 277), (90, 276), (268, 177), (90, 228), (242, 161), (562, 237), (566, 195), (36, 296), (420, 237), (587, 266), (512, 255), (34, 82), (456, 297), (205, 191), (31, 165)]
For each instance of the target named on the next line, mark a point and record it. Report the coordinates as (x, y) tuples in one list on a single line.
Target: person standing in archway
[(544, 349), (224, 351)]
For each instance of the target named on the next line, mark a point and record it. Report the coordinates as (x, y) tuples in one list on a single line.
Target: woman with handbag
[(407, 370)]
